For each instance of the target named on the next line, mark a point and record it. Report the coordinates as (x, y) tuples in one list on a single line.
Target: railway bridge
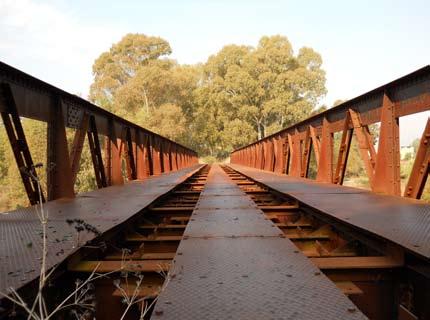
[(273, 234)]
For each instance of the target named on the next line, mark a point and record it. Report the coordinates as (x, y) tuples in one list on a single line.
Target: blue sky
[(363, 43)]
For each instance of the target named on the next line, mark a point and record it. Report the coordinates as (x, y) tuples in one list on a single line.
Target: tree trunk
[(146, 101), (259, 130)]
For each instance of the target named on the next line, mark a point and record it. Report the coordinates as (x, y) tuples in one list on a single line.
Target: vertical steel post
[(296, 162), (325, 167), (141, 157), (156, 157), (387, 168), (113, 157), (59, 171), (129, 156)]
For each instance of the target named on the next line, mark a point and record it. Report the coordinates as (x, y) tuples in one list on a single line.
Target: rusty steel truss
[(289, 151), (144, 153)]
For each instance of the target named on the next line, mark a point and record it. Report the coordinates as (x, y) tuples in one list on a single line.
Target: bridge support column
[(325, 167), (295, 154), (387, 168), (59, 171), (141, 157), (113, 157)]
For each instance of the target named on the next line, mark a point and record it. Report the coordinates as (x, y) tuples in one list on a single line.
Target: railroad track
[(222, 244), (380, 277), (141, 248)]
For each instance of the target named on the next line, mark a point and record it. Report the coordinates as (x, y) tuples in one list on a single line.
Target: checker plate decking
[(232, 267), (403, 221), (20, 230)]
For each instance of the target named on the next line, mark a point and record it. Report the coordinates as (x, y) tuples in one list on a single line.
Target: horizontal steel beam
[(34, 101), (144, 152), (410, 94), (288, 151)]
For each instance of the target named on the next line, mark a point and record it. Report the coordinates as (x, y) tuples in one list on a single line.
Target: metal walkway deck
[(234, 264), (403, 221), (20, 230)]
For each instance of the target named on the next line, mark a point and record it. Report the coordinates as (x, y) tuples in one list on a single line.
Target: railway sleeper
[(144, 251)]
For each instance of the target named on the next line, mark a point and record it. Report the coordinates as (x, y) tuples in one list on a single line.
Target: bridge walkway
[(234, 264), (401, 221), (21, 233)]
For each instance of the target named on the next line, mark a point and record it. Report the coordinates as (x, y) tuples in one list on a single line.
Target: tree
[(240, 94), (265, 89), (113, 69), (237, 133), (135, 80), (167, 120), (415, 144), (12, 187)]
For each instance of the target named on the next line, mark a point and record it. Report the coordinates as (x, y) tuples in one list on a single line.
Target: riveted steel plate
[(212, 191), (249, 278), (20, 232), (230, 223), (225, 202), (292, 184), (254, 275), (403, 221)]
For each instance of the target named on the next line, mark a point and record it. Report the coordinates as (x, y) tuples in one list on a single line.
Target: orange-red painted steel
[(234, 264), (144, 152), (21, 243), (385, 105), (398, 220)]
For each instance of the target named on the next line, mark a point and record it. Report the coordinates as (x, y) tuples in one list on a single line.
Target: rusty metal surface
[(230, 223), (40, 92), (145, 153), (305, 186), (410, 94), (254, 275), (405, 222), (289, 150), (20, 230), (225, 202)]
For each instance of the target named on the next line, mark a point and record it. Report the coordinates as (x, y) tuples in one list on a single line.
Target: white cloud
[(36, 37)]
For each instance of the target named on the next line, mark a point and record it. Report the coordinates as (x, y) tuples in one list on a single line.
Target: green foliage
[(208, 160), (113, 69), (408, 156), (135, 80), (415, 144), (167, 120), (240, 94), (249, 93), (11, 184)]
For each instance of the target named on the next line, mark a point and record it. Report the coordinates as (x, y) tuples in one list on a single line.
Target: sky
[(363, 44)]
